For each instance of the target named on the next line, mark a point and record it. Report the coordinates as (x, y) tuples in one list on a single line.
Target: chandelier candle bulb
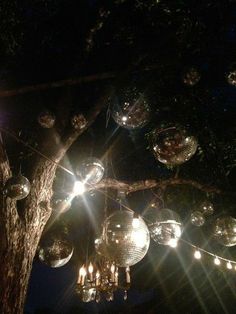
[(90, 270), (97, 278), (83, 275), (197, 254), (229, 265), (113, 273), (116, 278), (127, 270)]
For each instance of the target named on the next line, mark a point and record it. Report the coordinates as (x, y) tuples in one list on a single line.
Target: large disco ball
[(173, 145), (125, 243), (130, 109), (225, 231), (164, 225), (17, 187), (55, 250), (90, 170)]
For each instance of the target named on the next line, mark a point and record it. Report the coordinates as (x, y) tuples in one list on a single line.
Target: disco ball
[(206, 208), (125, 243), (173, 146), (164, 225), (225, 231), (197, 219), (46, 119), (90, 170), (17, 187), (130, 109), (191, 76), (55, 250), (231, 77)]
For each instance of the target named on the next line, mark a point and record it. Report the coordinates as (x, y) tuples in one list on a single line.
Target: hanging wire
[(14, 136)]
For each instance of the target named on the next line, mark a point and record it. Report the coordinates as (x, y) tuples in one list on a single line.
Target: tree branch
[(130, 187)]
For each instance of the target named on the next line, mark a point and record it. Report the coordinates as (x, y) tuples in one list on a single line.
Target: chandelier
[(101, 279)]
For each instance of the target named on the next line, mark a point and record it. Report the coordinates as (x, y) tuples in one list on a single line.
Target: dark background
[(43, 41)]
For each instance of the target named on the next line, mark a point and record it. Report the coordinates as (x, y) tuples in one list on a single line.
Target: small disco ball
[(46, 119), (17, 187), (197, 219), (173, 146), (225, 231), (164, 225), (125, 243), (130, 109), (191, 76), (55, 250), (231, 75), (90, 170), (206, 208)]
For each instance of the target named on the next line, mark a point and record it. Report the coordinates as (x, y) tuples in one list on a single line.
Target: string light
[(217, 261), (197, 254), (229, 265)]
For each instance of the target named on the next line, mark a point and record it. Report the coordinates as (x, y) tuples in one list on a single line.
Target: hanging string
[(14, 136)]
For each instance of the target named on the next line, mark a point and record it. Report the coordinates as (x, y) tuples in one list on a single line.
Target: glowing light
[(78, 188), (90, 268), (173, 243), (124, 119), (197, 254), (229, 265), (139, 238), (217, 261), (135, 222), (82, 271)]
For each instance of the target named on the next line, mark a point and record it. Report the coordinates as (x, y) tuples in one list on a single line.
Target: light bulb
[(90, 268), (135, 222), (197, 254), (229, 265), (216, 261), (82, 271), (173, 243), (78, 188), (113, 268)]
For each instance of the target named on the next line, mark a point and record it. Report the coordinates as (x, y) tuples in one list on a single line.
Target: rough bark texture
[(21, 230)]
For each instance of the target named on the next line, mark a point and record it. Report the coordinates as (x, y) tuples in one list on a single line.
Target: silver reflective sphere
[(130, 109), (164, 225), (125, 243), (55, 251), (197, 219), (225, 231), (46, 119), (17, 187), (206, 208), (173, 146), (231, 77), (88, 294), (191, 76), (90, 170)]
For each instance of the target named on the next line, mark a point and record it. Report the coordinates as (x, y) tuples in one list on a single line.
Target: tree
[(180, 30)]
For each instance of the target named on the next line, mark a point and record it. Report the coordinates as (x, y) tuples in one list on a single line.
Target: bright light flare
[(79, 188), (173, 243)]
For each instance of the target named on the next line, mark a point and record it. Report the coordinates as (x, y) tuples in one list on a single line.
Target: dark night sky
[(52, 48)]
